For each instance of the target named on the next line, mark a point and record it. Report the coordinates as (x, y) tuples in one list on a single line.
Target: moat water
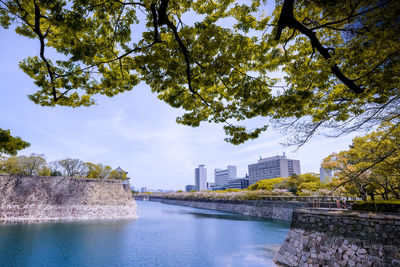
[(163, 235)]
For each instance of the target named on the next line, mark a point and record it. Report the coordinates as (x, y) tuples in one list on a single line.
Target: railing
[(310, 199)]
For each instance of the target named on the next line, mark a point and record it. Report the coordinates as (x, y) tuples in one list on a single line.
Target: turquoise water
[(163, 235)]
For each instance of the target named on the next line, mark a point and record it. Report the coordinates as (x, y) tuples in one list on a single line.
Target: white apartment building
[(272, 167), (222, 176)]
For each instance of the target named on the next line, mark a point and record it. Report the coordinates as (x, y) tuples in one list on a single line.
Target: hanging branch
[(287, 19)]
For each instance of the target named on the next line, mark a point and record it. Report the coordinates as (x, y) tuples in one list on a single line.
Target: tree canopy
[(371, 165), (36, 165), (339, 59), (11, 144), (266, 184)]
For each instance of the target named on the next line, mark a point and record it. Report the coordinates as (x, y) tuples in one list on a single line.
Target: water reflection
[(207, 214), (163, 235)]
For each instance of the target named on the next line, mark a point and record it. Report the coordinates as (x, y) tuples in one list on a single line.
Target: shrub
[(377, 206), (267, 184)]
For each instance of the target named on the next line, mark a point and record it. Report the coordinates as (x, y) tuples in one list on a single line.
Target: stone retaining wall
[(340, 238), (39, 199), (281, 210)]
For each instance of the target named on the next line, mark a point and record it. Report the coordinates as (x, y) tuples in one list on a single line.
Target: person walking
[(344, 204)]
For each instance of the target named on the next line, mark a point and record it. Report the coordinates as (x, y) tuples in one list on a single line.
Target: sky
[(133, 130)]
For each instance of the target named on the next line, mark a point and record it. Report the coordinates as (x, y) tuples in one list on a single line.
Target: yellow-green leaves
[(372, 163), (220, 60), (10, 144)]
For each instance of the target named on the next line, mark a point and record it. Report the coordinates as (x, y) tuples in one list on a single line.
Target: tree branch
[(287, 19), (42, 47)]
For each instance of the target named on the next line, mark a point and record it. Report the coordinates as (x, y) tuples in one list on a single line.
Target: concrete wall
[(281, 210), (39, 199), (334, 238)]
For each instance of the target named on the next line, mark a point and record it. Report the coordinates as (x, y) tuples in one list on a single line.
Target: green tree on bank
[(32, 165), (340, 59), (371, 166), (299, 185), (36, 165), (266, 184)]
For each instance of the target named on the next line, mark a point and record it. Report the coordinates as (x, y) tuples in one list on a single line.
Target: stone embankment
[(341, 238), (43, 199), (319, 237), (281, 210)]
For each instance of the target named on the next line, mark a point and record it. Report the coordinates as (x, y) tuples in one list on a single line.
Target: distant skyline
[(133, 130)]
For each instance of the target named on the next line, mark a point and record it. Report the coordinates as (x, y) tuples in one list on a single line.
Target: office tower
[(222, 176), (272, 167), (200, 178)]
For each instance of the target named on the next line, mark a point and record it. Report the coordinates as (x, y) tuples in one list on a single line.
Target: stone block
[(350, 252), (362, 251)]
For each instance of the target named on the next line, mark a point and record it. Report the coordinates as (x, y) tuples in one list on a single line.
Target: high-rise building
[(222, 176), (200, 178), (272, 167), (325, 175)]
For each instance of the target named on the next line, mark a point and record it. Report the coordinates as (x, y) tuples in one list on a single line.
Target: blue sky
[(133, 130)]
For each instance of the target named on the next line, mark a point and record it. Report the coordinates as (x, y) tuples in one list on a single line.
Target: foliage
[(55, 168), (10, 144), (340, 59), (311, 186), (296, 181), (35, 165), (22, 165), (371, 165), (44, 171), (73, 167), (114, 174), (223, 194), (377, 206), (266, 184), (98, 170), (226, 190)]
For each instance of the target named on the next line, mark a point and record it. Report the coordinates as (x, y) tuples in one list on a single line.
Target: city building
[(143, 189), (325, 176), (210, 185), (218, 187), (200, 178), (190, 187), (238, 183), (222, 176), (272, 167)]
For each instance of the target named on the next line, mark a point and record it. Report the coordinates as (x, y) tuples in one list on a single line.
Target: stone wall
[(281, 210), (341, 238), (39, 199)]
